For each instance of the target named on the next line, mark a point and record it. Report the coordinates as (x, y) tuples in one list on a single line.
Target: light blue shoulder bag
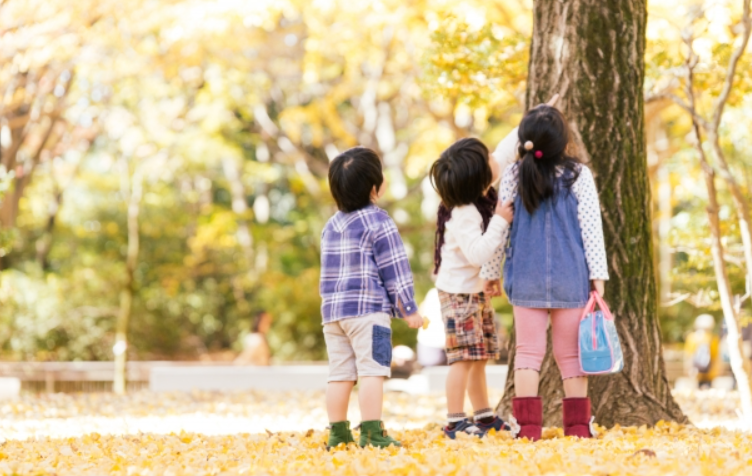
[(600, 349)]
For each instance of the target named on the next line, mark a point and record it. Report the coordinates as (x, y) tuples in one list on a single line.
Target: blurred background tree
[(228, 112)]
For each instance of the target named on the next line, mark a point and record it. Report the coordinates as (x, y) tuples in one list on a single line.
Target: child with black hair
[(471, 225), (555, 255), (365, 281)]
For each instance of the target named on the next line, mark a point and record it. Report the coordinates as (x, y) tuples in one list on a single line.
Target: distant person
[(365, 281), (255, 345), (702, 352), (403, 361), (431, 341)]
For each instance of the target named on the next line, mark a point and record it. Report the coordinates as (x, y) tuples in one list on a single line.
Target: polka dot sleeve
[(507, 191), (589, 215)]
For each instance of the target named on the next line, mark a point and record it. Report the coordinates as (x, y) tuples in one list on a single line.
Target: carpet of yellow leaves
[(252, 433)]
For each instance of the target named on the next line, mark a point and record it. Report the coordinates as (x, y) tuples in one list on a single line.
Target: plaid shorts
[(470, 326)]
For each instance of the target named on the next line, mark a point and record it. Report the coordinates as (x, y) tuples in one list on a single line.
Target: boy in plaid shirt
[(365, 281)]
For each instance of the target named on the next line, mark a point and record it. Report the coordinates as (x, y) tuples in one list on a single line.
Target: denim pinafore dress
[(545, 265)]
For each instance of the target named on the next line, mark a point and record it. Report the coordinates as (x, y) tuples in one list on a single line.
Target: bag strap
[(589, 307), (602, 304)]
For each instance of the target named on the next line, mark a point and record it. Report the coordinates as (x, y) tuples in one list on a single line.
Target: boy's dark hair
[(461, 177), (352, 176), (547, 129)]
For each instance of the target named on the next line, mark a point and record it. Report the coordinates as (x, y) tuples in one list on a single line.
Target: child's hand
[(415, 321), (492, 288), (551, 102), (599, 286), (505, 210)]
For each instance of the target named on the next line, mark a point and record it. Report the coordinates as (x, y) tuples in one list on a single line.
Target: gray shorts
[(359, 347)]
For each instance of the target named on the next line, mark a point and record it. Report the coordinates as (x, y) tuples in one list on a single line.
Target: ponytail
[(535, 182), (544, 136)]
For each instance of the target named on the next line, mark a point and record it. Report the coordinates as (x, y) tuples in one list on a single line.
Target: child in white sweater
[(471, 226)]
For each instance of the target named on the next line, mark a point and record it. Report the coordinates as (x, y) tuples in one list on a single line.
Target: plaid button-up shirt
[(364, 267)]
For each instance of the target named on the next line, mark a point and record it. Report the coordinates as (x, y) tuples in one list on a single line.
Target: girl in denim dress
[(554, 254)]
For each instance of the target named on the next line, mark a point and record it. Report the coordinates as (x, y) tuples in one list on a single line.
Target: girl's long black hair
[(546, 128), (461, 176)]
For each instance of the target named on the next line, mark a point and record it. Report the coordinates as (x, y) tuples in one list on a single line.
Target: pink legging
[(530, 328)]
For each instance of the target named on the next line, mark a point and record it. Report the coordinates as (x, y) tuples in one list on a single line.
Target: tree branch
[(728, 84), (679, 102)]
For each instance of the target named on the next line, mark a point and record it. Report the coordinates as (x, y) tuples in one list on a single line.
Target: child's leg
[(371, 397), (576, 387), (371, 336), (342, 371), (565, 325), (338, 399), (456, 385), (371, 339), (530, 332), (477, 389)]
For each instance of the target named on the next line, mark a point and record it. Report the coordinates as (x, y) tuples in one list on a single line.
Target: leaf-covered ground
[(283, 433)]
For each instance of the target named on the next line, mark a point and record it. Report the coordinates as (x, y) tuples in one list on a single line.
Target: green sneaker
[(340, 433), (373, 433)]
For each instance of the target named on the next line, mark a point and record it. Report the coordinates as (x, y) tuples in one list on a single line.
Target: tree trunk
[(740, 202), (44, 243), (120, 349), (739, 364), (592, 53), (9, 206)]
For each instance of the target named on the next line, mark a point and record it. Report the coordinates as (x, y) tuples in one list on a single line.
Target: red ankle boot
[(577, 419), (528, 418)]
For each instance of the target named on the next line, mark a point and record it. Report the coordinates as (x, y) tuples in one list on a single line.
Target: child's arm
[(506, 151), (477, 246), (591, 226), (394, 268), (491, 269)]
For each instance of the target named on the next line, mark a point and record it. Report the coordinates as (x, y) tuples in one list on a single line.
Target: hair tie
[(538, 154), (529, 145)]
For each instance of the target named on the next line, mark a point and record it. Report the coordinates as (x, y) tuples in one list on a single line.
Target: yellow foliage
[(157, 435), (666, 449)]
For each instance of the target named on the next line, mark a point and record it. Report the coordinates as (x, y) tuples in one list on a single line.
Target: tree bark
[(592, 53)]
